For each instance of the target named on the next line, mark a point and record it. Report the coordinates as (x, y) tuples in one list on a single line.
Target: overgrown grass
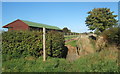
[(72, 43), (105, 61), (93, 44), (24, 65), (0, 62)]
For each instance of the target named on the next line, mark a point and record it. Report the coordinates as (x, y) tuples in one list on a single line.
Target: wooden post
[(44, 53)]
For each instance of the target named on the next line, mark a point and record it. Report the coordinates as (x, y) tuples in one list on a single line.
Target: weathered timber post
[(44, 53)]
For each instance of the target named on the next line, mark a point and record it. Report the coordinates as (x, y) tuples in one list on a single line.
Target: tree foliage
[(66, 30), (100, 19)]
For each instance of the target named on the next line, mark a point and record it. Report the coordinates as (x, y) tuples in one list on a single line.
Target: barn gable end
[(17, 25)]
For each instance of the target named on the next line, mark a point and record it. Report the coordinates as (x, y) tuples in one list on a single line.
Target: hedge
[(16, 44)]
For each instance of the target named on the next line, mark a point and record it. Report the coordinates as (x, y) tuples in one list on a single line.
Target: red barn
[(27, 25)]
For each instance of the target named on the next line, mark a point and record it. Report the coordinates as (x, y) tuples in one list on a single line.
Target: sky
[(60, 0), (61, 14)]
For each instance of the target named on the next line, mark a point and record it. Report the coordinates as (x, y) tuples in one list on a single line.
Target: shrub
[(112, 35), (17, 44)]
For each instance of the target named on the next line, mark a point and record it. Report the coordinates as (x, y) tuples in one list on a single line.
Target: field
[(72, 43), (68, 37), (71, 40)]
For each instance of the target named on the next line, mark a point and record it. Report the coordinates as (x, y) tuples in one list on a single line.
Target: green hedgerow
[(16, 44)]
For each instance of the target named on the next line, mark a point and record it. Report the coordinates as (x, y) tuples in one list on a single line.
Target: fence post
[(44, 53)]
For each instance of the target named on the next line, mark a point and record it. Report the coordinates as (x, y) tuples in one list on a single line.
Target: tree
[(66, 30), (100, 19)]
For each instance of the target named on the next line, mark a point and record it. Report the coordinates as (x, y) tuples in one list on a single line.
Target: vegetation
[(34, 65), (105, 61), (22, 44), (0, 62), (112, 35), (100, 19), (72, 43), (66, 30), (22, 50), (55, 44), (68, 37)]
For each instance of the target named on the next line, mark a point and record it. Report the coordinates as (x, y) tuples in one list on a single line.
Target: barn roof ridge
[(34, 24)]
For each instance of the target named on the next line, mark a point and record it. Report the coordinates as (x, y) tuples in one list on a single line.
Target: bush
[(112, 35), (17, 44)]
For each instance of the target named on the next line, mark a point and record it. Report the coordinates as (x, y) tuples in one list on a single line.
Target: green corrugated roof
[(33, 24)]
